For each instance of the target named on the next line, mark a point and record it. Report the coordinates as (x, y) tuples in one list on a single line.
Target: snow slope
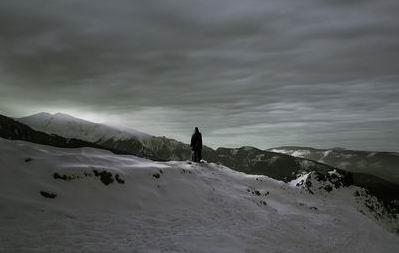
[(89, 200), (70, 127)]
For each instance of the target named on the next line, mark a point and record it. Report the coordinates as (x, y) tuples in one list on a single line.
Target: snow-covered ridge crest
[(71, 127), (91, 200)]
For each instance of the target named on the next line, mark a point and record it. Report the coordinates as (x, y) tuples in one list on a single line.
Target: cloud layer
[(262, 73)]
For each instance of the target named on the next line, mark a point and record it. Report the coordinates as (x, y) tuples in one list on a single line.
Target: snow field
[(166, 207)]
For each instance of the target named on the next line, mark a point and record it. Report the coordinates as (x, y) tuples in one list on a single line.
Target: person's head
[(196, 129)]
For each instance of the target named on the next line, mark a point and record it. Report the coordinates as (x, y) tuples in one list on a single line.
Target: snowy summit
[(71, 127)]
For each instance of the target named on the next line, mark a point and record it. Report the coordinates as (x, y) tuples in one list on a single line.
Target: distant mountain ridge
[(245, 159), (127, 140), (14, 130), (71, 127), (381, 164)]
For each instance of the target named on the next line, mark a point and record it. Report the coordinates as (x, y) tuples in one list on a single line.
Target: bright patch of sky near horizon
[(259, 73)]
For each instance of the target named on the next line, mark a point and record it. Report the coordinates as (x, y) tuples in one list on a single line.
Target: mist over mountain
[(71, 127)]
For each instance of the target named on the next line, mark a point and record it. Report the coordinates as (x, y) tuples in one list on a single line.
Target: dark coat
[(196, 141)]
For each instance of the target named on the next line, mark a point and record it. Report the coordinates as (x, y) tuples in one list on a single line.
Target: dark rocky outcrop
[(48, 195)]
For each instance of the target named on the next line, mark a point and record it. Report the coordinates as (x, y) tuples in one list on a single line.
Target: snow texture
[(88, 200)]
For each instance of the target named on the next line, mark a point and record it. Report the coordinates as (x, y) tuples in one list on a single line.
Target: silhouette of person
[(196, 145)]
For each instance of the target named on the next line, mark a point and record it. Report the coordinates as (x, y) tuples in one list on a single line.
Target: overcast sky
[(263, 73)]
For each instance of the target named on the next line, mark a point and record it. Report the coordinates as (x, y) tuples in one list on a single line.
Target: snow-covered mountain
[(127, 140), (90, 200), (71, 127), (15, 130), (249, 160), (381, 164), (245, 159)]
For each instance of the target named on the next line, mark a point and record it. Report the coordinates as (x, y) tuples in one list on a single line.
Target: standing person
[(196, 145)]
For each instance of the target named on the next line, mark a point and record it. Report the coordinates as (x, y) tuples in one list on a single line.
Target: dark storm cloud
[(252, 72)]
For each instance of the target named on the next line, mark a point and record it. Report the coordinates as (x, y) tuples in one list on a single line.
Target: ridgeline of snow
[(89, 200), (296, 153), (70, 127)]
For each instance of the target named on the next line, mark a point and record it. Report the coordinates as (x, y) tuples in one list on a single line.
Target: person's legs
[(197, 155), (193, 156)]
